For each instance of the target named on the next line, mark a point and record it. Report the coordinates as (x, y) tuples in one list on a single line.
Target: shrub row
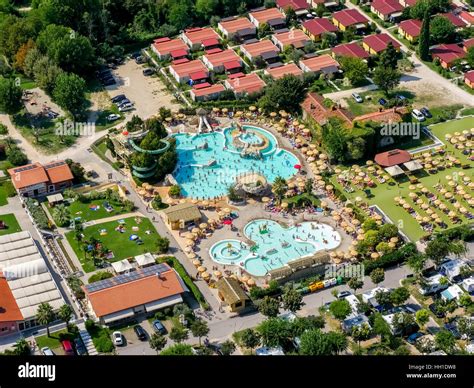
[(390, 259)]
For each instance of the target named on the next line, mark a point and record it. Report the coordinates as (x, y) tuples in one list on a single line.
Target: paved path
[(347, 93)]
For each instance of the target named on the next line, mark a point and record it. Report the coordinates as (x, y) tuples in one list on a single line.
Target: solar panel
[(54, 164), (26, 168), (127, 277)]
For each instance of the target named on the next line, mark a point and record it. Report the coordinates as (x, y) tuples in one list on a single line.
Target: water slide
[(149, 171), (203, 122)]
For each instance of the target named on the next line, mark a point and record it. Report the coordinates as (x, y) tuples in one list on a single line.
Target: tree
[(61, 215), (381, 327), (174, 191), (422, 317), (369, 224), (387, 231), (386, 78), (157, 342), (445, 340), (228, 347), (442, 30), (264, 30), (69, 93), (377, 276), (178, 350), (465, 300), (334, 139), (470, 56), (402, 322), (356, 148), (317, 343), (274, 332), (417, 264), (291, 17), (21, 54), (399, 296), (200, 329), (179, 334), (361, 332), (206, 8), (355, 69), (383, 298), (45, 315), (340, 309), (279, 188), (21, 348), (439, 248), (424, 40), (302, 324), (389, 57), (180, 14), (355, 283), (465, 327), (162, 244), (250, 339), (286, 93), (10, 96), (65, 314), (292, 300), (269, 307)]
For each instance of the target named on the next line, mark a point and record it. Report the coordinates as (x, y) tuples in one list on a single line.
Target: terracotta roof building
[(349, 18), (210, 92), (163, 47), (392, 158), (192, 70), (142, 291), (320, 64), (467, 17), (223, 61), (264, 48), (467, 44), (271, 16), (248, 84), (197, 38), (410, 29), (281, 71), (386, 9), (10, 313), (237, 28), (326, 3), (296, 38), (313, 107), (299, 6), (447, 54), (456, 21), (350, 50), (318, 26), (178, 216), (230, 292), (34, 180), (375, 44), (469, 79)]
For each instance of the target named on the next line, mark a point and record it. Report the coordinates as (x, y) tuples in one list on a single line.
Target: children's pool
[(275, 245), (209, 163)]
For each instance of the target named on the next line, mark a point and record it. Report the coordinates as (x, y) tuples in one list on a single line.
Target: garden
[(8, 224)]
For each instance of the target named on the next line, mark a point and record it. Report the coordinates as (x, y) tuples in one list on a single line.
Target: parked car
[(123, 101), (382, 101), (435, 311), (426, 112), (139, 60), (109, 82), (140, 332), (135, 55), (148, 71), (126, 107), (117, 338), (417, 115), (158, 327), (47, 351), (80, 347), (414, 337), (113, 117), (343, 294), (118, 98), (357, 97), (67, 347)]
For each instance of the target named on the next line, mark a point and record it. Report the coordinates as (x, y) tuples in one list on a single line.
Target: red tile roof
[(180, 61), (468, 43), (350, 17), (380, 42), (236, 25), (236, 75), (314, 106), (178, 53), (58, 172), (279, 72), (33, 174), (213, 51), (210, 42), (250, 83), (319, 63), (217, 88), (198, 75), (218, 59), (468, 17), (259, 48), (469, 76), (387, 7), (135, 293), (199, 35), (448, 53), (456, 21), (201, 86), (297, 5), (9, 310), (295, 37), (411, 27), (392, 158), (185, 69), (319, 25), (232, 65), (350, 50), (266, 15), (164, 46)]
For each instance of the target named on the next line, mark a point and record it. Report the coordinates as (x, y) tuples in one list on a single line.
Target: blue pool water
[(208, 172), (275, 245)]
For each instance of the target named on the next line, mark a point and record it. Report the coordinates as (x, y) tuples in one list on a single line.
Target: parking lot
[(147, 93), (132, 345)]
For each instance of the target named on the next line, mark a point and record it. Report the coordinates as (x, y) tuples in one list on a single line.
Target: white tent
[(413, 165), (394, 170), (122, 266), (145, 259)]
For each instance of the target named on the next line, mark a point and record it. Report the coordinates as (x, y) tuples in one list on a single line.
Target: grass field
[(84, 211), (54, 341), (383, 194), (371, 101), (115, 241), (12, 224)]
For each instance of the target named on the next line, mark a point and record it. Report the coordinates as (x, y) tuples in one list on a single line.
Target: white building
[(468, 284), (369, 296), (452, 268), (453, 292), (432, 285)]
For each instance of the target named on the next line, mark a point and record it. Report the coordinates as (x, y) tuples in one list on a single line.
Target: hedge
[(273, 289), (463, 232), (38, 214), (390, 259)]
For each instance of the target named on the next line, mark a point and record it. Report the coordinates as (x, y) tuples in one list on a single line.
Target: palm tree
[(45, 315), (65, 314), (157, 342), (199, 328), (279, 188), (61, 214), (21, 347)]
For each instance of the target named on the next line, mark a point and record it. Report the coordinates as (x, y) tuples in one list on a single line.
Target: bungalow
[(194, 71), (197, 38), (349, 18), (222, 61), (467, 17), (237, 28), (315, 28), (469, 79), (326, 3), (455, 21), (370, 296), (314, 109), (166, 47), (410, 29), (452, 293), (248, 84), (299, 6), (210, 92), (354, 321), (281, 71), (452, 268), (447, 54), (467, 44), (322, 64), (350, 50), (387, 9), (432, 284), (271, 16), (264, 48), (35, 180), (408, 3), (375, 44), (181, 215), (231, 294), (295, 38)]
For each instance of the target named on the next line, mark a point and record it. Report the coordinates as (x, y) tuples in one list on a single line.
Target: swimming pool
[(209, 163), (275, 245)]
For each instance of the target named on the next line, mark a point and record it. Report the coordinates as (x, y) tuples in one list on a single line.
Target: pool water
[(275, 245), (207, 172)]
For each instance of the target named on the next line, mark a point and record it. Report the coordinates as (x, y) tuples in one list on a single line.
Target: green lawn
[(3, 195), (115, 241), (84, 213), (370, 103), (54, 341), (383, 194), (102, 123), (12, 224)]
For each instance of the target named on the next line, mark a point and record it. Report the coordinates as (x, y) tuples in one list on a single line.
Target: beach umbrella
[(274, 114), (374, 255), (457, 205), (424, 190), (437, 202), (188, 242), (412, 195), (196, 230), (419, 186), (419, 218), (191, 255), (333, 254), (434, 216), (448, 195), (442, 206), (360, 237), (443, 191), (324, 204), (252, 108), (426, 219), (248, 114), (358, 199), (406, 206), (215, 109), (251, 283), (451, 214), (463, 210), (284, 205), (201, 269), (355, 222), (397, 199), (429, 212), (391, 245), (196, 263), (265, 199), (336, 218), (329, 188), (419, 201), (218, 274), (425, 206), (205, 275), (203, 226)]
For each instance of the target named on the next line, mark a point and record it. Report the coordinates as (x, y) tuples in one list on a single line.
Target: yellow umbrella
[(284, 205), (201, 269), (205, 275), (203, 226), (265, 199), (374, 255), (218, 274), (196, 263), (251, 283)]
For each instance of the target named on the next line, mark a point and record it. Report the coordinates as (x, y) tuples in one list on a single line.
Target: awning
[(236, 75), (213, 51), (202, 86), (145, 259), (394, 170), (179, 61), (122, 266), (198, 75), (118, 315), (178, 53), (413, 165), (210, 42), (269, 55), (232, 65), (55, 198)]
